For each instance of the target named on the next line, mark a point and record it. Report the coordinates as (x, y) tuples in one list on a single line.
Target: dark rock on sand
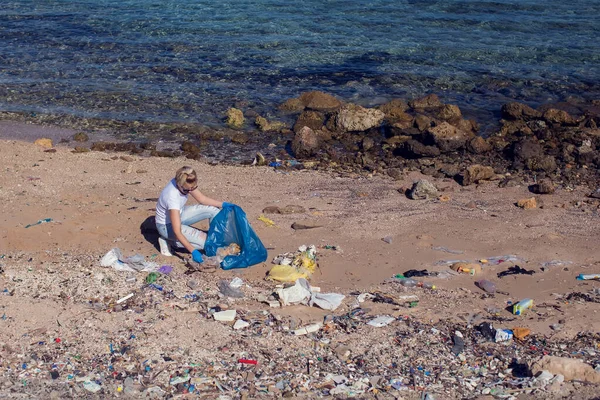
[(314, 100), (312, 119), (519, 111), (422, 190), (395, 173), (447, 137), (414, 149), (355, 118), (427, 102), (81, 137), (298, 225), (544, 186), (423, 122), (560, 117), (449, 112), (476, 173), (478, 145), (289, 209), (306, 143), (395, 109)]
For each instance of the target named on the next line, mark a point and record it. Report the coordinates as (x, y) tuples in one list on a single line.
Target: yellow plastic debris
[(266, 220), (521, 333), (467, 268), (302, 265)]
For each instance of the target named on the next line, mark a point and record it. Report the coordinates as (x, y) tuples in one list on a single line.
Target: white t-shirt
[(170, 199)]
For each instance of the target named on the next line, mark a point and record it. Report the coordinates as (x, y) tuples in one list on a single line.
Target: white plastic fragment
[(308, 329), (92, 386), (225, 316), (303, 293), (240, 324), (122, 299), (236, 283), (381, 321)]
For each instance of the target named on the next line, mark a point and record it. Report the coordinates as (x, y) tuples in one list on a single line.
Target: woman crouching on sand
[(174, 219)]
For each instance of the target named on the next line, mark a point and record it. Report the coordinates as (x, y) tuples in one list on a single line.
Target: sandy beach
[(96, 201)]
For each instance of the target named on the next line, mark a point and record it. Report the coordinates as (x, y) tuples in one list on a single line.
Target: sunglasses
[(186, 191)]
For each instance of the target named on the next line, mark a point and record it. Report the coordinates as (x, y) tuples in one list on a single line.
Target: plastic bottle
[(408, 282), (520, 307), (427, 285), (486, 286), (585, 277)]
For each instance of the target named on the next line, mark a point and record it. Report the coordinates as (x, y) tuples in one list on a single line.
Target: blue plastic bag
[(230, 225)]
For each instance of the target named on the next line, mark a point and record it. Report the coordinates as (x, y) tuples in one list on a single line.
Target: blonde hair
[(185, 174)]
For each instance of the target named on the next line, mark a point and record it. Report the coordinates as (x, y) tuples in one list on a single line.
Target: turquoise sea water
[(189, 60)]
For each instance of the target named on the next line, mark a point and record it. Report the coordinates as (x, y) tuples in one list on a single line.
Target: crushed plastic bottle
[(555, 263), (229, 291), (502, 259), (214, 261), (486, 286), (408, 282), (520, 307)]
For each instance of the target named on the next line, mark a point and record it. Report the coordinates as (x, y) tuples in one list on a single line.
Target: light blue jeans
[(189, 216)]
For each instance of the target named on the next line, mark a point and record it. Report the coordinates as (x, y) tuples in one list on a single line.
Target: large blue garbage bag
[(230, 225)]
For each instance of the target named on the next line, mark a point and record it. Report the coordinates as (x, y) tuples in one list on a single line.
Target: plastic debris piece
[(387, 239), (268, 222), (459, 343), (586, 277), (165, 269), (114, 258), (303, 293), (381, 321), (447, 250), (151, 277), (240, 324), (520, 307), (308, 329), (521, 333), (176, 380), (327, 301), (502, 259), (92, 386), (486, 286), (467, 268), (414, 272), (236, 283), (503, 335), (225, 316), (292, 266), (555, 263), (361, 298), (41, 221), (299, 293), (122, 299), (227, 290), (487, 330), (247, 361)]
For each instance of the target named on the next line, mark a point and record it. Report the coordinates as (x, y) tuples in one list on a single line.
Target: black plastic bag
[(230, 225)]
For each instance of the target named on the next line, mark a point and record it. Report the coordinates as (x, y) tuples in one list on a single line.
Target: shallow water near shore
[(178, 61)]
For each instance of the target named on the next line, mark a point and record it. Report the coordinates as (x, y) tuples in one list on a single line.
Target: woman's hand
[(197, 256)]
